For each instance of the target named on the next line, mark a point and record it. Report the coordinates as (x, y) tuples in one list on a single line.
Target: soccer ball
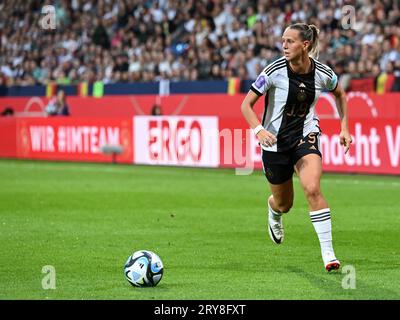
[(143, 269)]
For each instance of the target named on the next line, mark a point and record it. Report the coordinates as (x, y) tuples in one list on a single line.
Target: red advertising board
[(8, 137), (70, 139), (205, 131), (375, 147)]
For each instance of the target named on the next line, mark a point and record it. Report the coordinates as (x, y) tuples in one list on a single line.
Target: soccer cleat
[(275, 228), (330, 261)]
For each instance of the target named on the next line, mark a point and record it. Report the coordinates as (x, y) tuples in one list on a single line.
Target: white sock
[(273, 214), (321, 221)]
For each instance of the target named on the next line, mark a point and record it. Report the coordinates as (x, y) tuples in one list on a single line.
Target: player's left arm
[(341, 105)]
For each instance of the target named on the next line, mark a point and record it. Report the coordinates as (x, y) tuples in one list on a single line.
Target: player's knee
[(312, 191)]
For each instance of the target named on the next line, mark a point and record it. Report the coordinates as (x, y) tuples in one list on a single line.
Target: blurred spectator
[(156, 110), (345, 73), (58, 105), (143, 40), (7, 112), (100, 36), (389, 55), (396, 72)]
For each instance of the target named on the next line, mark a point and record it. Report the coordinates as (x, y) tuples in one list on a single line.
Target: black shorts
[(279, 166)]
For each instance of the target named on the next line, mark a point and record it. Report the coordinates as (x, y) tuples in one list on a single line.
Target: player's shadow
[(332, 283)]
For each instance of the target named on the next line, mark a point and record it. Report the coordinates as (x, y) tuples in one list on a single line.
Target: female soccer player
[(289, 131)]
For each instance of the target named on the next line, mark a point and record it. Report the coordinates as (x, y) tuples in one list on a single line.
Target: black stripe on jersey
[(255, 91), (323, 67), (265, 107), (300, 97), (276, 68), (337, 82), (324, 71), (273, 64)]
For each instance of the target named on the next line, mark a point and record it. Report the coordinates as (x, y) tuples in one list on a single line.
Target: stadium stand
[(144, 41)]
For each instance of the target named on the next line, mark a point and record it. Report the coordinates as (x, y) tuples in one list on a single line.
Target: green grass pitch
[(207, 225)]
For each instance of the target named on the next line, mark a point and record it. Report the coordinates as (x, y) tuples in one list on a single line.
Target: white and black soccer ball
[(144, 269)]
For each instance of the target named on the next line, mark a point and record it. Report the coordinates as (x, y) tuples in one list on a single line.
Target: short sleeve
[(331, 82), (262, 84)]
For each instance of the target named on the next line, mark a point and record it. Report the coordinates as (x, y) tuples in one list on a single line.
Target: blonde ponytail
[(314, 51), (309, 33)]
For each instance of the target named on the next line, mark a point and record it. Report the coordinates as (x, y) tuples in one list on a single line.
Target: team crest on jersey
[(302, 96)]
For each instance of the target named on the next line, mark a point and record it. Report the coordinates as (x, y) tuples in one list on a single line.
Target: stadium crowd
[(145, 40)]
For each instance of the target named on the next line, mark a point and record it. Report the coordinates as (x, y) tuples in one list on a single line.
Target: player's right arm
[(265, 137), (331, 84)]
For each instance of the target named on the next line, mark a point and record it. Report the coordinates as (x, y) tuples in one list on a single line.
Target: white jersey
[(290, 100)]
